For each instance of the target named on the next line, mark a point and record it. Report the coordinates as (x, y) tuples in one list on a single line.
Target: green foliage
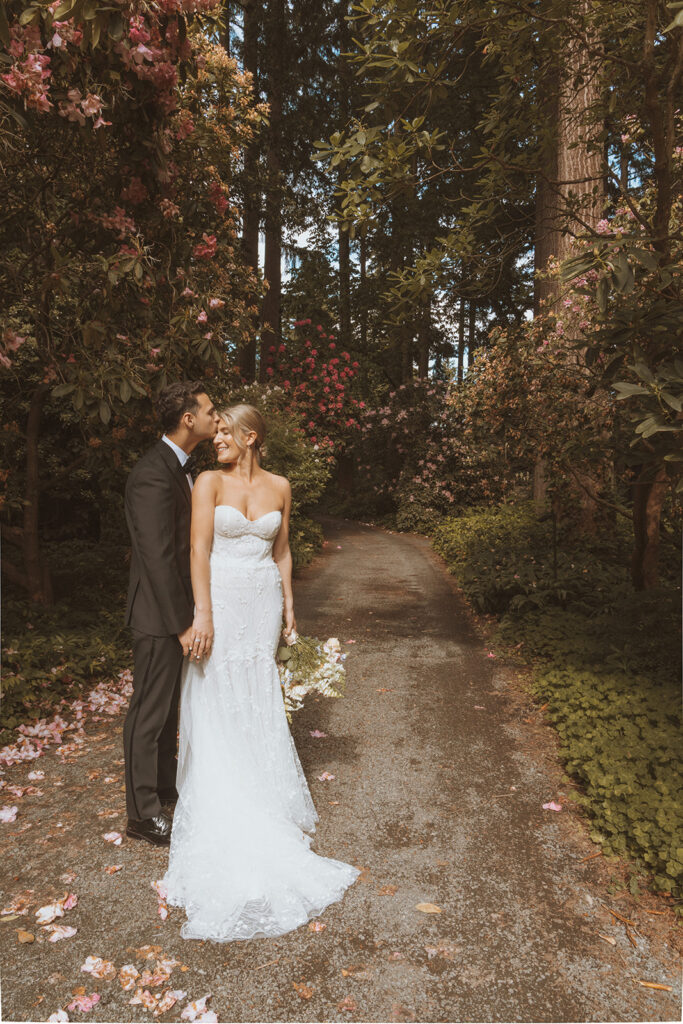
[(620, 737), (606, 664), (57, 653)]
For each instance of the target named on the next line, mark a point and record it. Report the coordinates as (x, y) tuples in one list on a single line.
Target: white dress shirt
[(182, 456)]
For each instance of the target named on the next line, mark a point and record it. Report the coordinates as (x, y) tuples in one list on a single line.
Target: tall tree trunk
[(344, 288), (472, 339), (271, 333), (344, 75), (546, 226), (580, 175), (648, 498), (461, 341), (363, 293), (38, 581), (252, 194), (423, 341), (580, 169)]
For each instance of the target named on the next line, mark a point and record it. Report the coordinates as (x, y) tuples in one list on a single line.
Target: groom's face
[(206, 419)]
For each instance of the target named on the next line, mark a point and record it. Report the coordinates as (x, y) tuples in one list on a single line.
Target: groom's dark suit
[(160, 605)]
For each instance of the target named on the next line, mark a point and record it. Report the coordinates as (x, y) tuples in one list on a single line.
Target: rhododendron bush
[(319, 382), (119, 267)]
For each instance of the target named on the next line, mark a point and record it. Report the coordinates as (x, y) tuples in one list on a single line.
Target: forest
[(440, 246)]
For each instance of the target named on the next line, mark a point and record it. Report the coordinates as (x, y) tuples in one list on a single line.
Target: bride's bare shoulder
[(279, 483), (206, 483)]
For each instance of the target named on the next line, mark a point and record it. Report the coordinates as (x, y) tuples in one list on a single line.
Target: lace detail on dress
[(240, 861)]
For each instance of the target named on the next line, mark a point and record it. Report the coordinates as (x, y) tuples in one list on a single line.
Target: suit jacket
[(158, 506)]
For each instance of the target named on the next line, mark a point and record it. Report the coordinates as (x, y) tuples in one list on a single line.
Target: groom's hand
[(185, 639), (202, 635)]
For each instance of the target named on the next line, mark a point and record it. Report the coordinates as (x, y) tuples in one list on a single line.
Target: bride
[(239, 861)]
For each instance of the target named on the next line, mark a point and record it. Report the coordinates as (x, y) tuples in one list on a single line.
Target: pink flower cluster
[(206, 249), (118, 221), (77, 108), (29, 78)]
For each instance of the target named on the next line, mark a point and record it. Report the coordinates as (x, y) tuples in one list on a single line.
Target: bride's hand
[(290, 621), (202, 635)]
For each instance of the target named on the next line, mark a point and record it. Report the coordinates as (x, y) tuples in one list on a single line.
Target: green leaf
[(63, 389), (115, 27), (626, 390), (602, 294), (28, 15), (105, 411)]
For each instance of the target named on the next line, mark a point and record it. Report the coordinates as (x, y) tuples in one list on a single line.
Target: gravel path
[(441, 768)]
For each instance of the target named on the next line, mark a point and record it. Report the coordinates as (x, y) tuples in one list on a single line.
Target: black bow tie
[(190, 466)]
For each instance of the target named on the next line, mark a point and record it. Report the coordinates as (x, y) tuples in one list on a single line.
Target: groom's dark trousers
[(160, 606)]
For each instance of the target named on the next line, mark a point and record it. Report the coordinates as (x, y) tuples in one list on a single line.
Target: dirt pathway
[(441, 769)]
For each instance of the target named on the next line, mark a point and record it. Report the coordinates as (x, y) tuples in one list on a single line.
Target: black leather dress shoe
[(156, 831), (168, 796)]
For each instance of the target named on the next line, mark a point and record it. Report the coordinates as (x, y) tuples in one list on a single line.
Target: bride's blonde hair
[(242, 419)]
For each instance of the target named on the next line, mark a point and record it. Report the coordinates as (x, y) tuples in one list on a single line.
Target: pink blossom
[(207, 249), (203, 317)]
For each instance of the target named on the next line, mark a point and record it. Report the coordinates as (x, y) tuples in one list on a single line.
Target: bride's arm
[(283, 558), (201, 538)]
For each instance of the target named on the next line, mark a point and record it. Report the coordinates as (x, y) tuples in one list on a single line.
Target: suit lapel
[(171, 460)]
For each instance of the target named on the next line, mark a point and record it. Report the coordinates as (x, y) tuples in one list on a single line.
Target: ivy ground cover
[(605, 662)]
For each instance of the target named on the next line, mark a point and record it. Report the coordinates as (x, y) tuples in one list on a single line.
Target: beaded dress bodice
[(245, 540)]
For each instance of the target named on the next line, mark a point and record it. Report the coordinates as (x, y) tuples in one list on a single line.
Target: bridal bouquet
[(308, 666)]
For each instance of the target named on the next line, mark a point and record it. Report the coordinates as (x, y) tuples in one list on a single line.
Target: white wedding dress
[(239, 861)]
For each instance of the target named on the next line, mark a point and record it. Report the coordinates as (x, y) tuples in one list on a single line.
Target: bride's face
[(224, 445), (226, 449)]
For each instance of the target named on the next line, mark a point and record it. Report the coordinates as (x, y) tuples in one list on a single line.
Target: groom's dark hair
[(177, 399)]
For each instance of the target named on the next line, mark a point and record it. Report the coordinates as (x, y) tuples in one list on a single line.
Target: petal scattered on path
[(195, 1008), (84, 1003), (552, 806), (61, 931), (128, 974), (99, 968), (46, 914)]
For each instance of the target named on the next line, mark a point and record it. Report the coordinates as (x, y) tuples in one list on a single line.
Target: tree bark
[(472, 338), (344, 288), (271, 334), (362, 293), (38, 580), (648, 498), (580, 173), (252, 196), (423, 341), (461, 341), (579, 149)]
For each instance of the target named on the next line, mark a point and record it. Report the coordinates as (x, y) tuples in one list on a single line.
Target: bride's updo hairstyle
[(242, 419)]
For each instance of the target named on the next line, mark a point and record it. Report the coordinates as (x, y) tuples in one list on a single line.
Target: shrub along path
[(441, 768)]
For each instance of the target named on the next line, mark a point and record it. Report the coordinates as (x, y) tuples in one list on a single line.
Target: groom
[(160, 605)]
